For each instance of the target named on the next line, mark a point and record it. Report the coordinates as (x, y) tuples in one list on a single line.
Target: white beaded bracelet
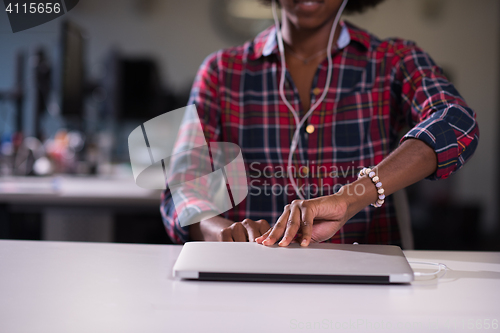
[(378, 184)]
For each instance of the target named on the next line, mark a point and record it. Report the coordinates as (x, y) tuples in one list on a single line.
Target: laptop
[(317, 263)]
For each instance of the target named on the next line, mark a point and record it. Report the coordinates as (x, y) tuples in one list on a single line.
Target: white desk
[(89, 287), (77, 208)]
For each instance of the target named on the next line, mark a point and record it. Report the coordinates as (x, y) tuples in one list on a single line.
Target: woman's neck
[(307, 42)]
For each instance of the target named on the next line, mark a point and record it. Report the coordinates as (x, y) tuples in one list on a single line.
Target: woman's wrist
[(358, 195), (209, 229)]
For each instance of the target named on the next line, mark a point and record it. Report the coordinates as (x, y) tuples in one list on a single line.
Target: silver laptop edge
[(327, 263)]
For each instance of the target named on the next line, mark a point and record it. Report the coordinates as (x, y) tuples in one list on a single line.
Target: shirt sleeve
[(435, 111), (187, 165)]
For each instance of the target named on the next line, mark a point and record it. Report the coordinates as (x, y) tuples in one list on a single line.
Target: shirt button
[(305, 171), (310, 129), (316, 91)]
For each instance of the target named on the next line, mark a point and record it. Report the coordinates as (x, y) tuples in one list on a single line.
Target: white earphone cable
[(441, 267), (299, 123)]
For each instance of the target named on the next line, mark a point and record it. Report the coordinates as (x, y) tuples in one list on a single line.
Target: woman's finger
[(239, 233), (263, 232), (292, 225), (263, 226), (226, 235), (307, 219), (252, 229), (260, 239), (278, 229), (266, 228)]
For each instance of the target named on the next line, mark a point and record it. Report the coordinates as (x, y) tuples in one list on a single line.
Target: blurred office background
[(118, 63)]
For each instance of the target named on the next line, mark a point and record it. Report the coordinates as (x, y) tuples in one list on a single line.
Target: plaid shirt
[(377, 87)]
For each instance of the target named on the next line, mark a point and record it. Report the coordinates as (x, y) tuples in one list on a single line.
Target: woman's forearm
[(411, 162)]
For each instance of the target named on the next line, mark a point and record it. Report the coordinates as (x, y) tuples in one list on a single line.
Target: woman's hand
[(314, 220), (219, 229), (246, 231)]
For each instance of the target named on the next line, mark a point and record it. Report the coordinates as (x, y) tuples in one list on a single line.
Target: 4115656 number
[(34, 8)]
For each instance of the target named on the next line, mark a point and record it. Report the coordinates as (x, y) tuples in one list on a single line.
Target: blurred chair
[(404, 219)]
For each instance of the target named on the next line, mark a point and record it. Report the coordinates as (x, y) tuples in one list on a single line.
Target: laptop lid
[(323, 263)]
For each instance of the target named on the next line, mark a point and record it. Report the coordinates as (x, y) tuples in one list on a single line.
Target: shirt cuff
[(194, 212), (440, 136)]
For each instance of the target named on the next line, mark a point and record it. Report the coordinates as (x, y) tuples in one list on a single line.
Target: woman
[(324, 137)]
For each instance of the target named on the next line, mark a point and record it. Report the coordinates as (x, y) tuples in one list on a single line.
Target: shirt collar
[(265, 43)]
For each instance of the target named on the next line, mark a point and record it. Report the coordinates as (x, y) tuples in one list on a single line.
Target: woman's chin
[(309, 23)]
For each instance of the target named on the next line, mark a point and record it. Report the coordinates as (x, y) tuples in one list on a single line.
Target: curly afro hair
[(353, 6)]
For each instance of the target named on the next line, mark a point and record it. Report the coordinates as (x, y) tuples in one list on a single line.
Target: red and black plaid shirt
[(377, 87)]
